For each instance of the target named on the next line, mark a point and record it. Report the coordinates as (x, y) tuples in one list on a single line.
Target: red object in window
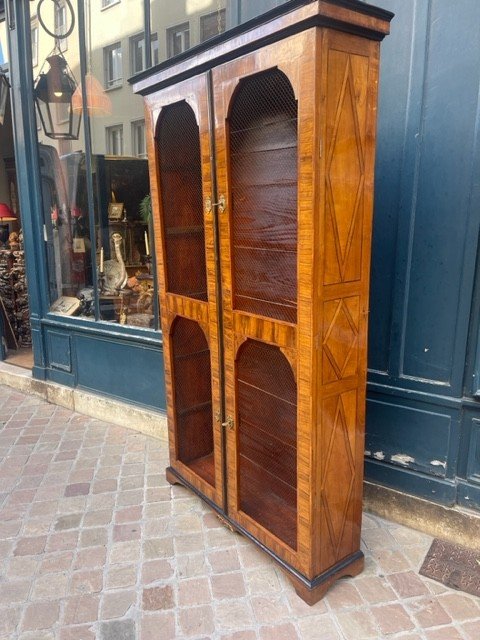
[(6, 214)]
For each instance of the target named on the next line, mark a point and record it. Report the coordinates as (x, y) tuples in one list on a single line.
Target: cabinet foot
[(172, 477), (321, 584)]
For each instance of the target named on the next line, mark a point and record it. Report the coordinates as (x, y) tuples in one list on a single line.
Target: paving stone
[(77, 489), (9, 619), (80, 632), (128, 514), (117, 603), (41, 615), (85, 582), (159, 625), (228, 585), (460, 607), (30, 546), (118, 630), (193, 592), (196, 621), (157, 598), (121, 576), (233, 614), (344, 594), (428, 612), (318, 628), (80, 609), (95, 537), (446, 633), (279, 632), (408, 584), (357, 625), (155, 570), (392, 618), (158, 548), (124, 532), (50, 586), (71, 521), (471, 630)]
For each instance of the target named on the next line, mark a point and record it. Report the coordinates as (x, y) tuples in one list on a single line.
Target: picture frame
[(115, 210), (66, 305)]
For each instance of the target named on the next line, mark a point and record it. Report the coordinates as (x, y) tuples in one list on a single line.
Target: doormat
[(454, 566)]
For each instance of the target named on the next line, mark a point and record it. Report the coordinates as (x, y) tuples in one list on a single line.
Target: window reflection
[(97, 226)]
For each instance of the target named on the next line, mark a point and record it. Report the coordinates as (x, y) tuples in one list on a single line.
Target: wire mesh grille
[(178, 148), (267, 439), (263, 161), (193, 398)]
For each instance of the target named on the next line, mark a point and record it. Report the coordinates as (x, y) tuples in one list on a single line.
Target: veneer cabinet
[(261, 153)]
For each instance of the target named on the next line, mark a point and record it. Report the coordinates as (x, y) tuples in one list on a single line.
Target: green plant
[(145, 208)]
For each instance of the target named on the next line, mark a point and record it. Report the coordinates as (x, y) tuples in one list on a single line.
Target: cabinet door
[(181, 181), (258, 130)]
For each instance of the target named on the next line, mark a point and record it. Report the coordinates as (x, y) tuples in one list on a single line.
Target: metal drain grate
[(453, 566)]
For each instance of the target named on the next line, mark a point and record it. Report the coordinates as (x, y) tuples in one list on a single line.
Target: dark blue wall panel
[(423, 315), (129, 371), (409, 436), (439, 215)]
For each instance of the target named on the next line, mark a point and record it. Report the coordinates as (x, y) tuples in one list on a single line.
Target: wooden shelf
[(204, 467)]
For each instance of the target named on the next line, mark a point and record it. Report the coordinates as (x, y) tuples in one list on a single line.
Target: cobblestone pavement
[(95, 544)]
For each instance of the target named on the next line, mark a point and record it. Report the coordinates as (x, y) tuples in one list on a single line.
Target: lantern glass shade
[(53, 94), (4, 86), (98, 102), (6, 214)]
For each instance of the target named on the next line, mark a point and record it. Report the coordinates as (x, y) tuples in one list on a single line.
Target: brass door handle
[(221, 204), (228, 424)]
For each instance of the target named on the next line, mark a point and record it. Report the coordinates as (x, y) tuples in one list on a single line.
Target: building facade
[(423, 418)]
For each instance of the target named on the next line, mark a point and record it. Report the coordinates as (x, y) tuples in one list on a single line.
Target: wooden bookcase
[(261, 153)]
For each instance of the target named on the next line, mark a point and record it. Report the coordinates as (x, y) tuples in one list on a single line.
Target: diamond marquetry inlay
[(339, 464), (340, 342), (345, 179)]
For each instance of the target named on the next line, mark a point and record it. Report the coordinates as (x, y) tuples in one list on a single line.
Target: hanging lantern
[(53, 94)]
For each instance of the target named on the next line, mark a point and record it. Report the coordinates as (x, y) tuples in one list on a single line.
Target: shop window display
[(98, 241)]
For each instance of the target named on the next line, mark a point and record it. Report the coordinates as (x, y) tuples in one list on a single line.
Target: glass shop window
[(96, 227), (97, 233)]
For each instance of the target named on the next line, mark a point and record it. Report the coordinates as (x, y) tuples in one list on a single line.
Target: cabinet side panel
[(349, 94)]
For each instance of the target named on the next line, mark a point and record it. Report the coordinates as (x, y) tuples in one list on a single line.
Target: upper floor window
[(212, 24), (155, 52), (61, 25), (112, 58), (137, 53), (34, 36), (114, 140), (139, 147), (178, 39)]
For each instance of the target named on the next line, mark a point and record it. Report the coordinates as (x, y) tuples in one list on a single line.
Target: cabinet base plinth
[(322, 583), (172, 477), (310, 591)]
